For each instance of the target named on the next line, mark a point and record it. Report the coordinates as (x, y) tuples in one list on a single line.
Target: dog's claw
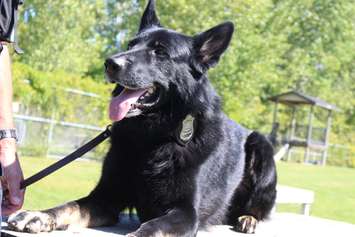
[(246, 224), (31, 222), (130, 235), (12, 223)]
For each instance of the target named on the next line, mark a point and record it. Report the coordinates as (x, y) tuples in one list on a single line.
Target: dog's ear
[(211, 44), (149, 17)]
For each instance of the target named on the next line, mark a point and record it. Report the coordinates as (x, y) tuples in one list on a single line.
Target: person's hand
[(12, 177)]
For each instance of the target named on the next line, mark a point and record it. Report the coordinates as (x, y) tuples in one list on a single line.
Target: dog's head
[(159, 61)]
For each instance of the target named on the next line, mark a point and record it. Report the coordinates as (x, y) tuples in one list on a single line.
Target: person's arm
[(12, 176), (6, 119)]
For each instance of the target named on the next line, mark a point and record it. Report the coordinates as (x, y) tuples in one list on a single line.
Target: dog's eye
[(160, 51)]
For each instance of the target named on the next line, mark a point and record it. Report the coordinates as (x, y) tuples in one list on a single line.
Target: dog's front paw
[(246, 224), (31, 222)]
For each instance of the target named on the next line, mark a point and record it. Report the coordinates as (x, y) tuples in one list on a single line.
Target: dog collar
[(185, 132)]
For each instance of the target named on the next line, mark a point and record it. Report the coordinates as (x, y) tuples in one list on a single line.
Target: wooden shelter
[(299, 135)]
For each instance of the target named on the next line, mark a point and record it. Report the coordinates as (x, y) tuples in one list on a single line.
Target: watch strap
[(8, 133)]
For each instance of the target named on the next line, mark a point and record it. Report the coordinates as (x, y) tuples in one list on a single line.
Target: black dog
[(175, 156)]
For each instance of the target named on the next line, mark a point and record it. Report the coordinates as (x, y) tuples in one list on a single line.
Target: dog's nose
[(111, 66)]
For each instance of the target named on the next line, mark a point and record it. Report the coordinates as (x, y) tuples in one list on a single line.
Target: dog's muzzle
[(115, 65)]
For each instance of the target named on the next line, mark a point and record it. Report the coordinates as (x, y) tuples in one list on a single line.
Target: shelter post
[(327, 132), (309, 135)]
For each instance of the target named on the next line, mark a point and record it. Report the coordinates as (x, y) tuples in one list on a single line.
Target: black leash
[(69, 158)]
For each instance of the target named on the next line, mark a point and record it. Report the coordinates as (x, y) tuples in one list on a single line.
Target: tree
[(278, 45), (62, 34), (245, 64), (320, 53)]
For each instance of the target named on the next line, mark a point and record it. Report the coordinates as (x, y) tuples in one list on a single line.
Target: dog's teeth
[(151, 90)]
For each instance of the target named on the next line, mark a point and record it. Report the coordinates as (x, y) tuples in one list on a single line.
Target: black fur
[(223, 172)]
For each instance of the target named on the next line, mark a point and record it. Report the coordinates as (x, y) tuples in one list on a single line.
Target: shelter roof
[(298, 98)]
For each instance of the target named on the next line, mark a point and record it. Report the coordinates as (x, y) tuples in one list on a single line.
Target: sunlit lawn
[(334, 187), (73, 181)]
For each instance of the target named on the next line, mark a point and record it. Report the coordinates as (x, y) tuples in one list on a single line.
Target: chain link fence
[(338, 155), (47, 137)]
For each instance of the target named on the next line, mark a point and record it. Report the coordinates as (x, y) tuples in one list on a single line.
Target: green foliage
[(62, 34), (34, 150), (48, 92), (320, 54), (278, 45)]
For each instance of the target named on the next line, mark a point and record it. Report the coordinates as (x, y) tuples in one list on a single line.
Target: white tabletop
[(280, 225)]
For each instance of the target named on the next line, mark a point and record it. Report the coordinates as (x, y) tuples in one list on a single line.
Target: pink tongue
[(121, 104)]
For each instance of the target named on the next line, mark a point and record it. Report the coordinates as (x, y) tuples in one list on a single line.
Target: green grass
[(73, 181), (334, 187)]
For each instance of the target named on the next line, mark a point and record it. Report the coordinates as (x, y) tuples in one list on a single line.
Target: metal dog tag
[(187, 129)]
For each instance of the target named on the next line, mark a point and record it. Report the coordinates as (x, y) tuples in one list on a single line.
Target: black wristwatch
[(8, 133)]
